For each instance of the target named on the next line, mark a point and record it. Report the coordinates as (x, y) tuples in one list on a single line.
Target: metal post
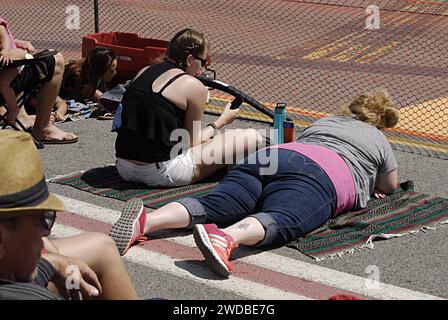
[(97, 16)]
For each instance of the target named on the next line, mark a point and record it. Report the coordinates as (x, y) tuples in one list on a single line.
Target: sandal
[(107, 116)]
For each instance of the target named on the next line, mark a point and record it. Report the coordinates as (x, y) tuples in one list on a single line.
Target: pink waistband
[(336, 169)]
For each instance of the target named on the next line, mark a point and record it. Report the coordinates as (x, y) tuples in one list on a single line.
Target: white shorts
[(172, 173)]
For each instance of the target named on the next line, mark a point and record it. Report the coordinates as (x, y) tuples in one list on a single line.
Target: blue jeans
[(297, 199)]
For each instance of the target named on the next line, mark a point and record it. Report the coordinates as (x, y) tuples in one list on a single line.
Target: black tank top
[(148, 119)]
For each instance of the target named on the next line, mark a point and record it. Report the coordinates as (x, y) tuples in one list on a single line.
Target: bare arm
[(49, 246), (5, 45), (25, 45), (195, 111), (196, 99), (74, 272), (386, 183), (4, 39), (7, 53)]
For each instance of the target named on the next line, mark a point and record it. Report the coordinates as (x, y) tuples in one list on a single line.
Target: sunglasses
[(46, 219), (203, 61)]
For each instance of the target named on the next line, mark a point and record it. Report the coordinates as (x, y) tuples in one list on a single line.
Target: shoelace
[(141, 236), (141, 239), (229, 246), (228, 249)]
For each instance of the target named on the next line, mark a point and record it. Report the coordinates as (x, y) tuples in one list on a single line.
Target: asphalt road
[(413, 262)]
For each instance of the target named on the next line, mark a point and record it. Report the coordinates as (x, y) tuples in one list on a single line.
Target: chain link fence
[(315, 55)]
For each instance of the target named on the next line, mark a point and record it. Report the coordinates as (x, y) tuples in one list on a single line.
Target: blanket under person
[(106, 182), (403, 212)]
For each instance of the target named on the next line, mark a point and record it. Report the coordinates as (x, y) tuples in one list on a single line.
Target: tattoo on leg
[(243, 226)]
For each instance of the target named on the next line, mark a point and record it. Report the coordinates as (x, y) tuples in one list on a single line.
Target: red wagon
[(133, 52)]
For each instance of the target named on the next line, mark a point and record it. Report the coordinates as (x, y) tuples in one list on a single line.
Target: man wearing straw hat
[(27, 214)]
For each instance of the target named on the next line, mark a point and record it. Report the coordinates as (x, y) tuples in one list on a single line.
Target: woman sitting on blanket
[(284, 192), (162, 141)]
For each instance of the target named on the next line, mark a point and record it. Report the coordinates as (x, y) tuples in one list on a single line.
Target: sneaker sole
[(122, 230), (212, 259)]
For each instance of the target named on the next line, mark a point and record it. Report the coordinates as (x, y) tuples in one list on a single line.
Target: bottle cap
[(281, 105)]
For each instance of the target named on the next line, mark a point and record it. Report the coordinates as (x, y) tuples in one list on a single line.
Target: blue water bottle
[(279, 117)]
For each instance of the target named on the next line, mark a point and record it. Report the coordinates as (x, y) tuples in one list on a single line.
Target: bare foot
[(27, 122), (52, 134)]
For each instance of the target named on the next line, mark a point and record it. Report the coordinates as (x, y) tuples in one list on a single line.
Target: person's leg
[(247, 232), (26, 119), (224, 149), (171, 216), (23, 117), (217, 244), (297, 199), (197, 164), (237, 193), (6, 78), (100, 253), (133, 223), (233, 199), (46, 97)]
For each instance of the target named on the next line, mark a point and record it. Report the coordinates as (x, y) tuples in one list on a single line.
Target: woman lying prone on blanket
[(281, 193)]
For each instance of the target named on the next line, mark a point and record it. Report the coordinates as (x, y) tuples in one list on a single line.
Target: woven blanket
[(106, 182), (403, 212)]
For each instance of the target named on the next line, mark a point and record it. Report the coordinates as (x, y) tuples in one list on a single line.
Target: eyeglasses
[(203, 61), (46, 219)]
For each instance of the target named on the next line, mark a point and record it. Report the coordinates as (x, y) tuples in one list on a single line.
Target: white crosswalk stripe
[(165, 263), (268, 260)]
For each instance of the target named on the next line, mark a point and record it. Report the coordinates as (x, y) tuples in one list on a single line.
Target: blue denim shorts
[(290, 202)]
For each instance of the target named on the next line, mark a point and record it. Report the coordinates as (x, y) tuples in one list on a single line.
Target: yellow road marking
[(334, 46), (430, 117), (404, 20), (377, 53), (350, 53), (420, 144)]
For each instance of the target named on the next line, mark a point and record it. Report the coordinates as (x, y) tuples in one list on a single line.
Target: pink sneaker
[(216, 246), (129, 228)]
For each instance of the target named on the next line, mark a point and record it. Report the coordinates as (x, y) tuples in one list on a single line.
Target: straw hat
[(22, 183)]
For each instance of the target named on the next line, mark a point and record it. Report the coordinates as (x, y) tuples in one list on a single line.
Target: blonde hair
[(374, 107)]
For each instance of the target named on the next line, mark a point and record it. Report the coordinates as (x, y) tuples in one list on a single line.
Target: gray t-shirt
[(364, 148)]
